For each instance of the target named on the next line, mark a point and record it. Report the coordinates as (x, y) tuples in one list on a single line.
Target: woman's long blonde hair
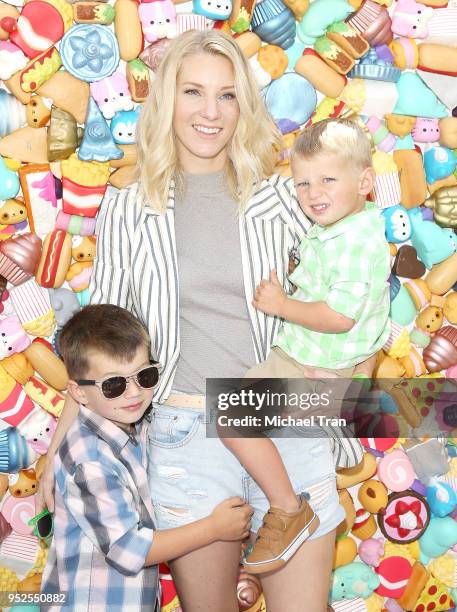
[(251, 156)]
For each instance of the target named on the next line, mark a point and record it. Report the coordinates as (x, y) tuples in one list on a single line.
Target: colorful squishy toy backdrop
[(73, 76)]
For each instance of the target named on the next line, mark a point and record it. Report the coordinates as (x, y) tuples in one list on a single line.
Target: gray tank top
[(214, 323)]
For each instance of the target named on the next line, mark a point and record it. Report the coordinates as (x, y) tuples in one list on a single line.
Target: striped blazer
[(136, 265)]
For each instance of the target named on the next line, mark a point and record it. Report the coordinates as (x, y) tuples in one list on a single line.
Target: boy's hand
[(45, 495), (269, 296), (231, 519)]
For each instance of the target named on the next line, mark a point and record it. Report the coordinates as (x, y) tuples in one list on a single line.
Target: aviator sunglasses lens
[(148, 377), (114, 387)]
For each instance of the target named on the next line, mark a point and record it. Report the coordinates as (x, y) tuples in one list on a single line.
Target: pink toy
[(395, 471), (411, 18), (394, 574), (158, 19), (38, 429), (18, 511), (371, 551), (112, 94), (13, 339), (426, 130), (11, 59), (382, 138)]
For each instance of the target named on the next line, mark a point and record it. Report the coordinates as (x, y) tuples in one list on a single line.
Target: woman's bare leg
[(206, 579), (304, 582)]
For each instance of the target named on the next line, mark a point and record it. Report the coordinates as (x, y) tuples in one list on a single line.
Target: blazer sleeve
[(110, 279)]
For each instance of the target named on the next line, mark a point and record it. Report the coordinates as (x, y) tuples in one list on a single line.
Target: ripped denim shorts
[(189, 474)]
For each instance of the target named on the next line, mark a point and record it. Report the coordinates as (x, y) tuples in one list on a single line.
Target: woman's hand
[(270, 296), (45, 495), (231, 519)]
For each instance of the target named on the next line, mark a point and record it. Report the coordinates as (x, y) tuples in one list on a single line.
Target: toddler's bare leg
[(261, 459)]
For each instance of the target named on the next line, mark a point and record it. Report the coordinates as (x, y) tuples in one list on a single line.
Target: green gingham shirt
[(346, 265)]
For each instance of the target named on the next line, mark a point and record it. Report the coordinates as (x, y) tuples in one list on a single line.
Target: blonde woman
[(184, 249)]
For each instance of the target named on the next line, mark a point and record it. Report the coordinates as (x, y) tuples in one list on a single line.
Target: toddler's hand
[(270, 296), (232, 519)]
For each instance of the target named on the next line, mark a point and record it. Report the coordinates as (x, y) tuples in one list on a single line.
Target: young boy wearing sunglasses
[(105, 548)]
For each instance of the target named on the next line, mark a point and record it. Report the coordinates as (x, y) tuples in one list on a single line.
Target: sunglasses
[(43, 523), (114, 386)]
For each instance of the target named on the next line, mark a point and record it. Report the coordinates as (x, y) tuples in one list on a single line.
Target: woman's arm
[(45, 496), (109, 283)]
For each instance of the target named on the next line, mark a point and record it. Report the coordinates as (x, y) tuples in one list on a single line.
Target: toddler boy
[(336, 320)]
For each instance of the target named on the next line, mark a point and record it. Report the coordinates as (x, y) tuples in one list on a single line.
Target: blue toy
[(394, 287), (291, 97), (439, 537), (123, 126), (432, 242), (398, 224), (219, 11), (274, 23), (97, 143), (321, 14), (15, 454), (89, 51), (415, 98), (441, 498), (402, 308), (9, 182), (353, 580), (439, 163)]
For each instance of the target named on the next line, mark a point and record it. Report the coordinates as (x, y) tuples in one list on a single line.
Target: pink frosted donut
[(18, 511), (395, 471)]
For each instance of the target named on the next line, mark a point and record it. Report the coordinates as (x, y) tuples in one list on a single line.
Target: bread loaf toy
[(438, 58), (55, 259), (412, 177), (46, 363), (319, 74), (127, 27)]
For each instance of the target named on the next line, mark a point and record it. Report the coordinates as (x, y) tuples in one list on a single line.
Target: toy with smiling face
[(218, 10), (83, 248), (410, 18), (12, 212), (158, 19), (426, 130), (439, 163), (353, 580), (398, 224), (23, 484), (123, 126), (112, 94)]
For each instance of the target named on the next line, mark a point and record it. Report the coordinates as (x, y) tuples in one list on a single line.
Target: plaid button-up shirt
[(346, 265), (104, 523)]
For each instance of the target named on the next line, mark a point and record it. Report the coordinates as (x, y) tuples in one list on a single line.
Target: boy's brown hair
[(343, 137), (109, 329)]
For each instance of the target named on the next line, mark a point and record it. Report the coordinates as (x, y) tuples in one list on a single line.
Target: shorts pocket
[(168, 430)]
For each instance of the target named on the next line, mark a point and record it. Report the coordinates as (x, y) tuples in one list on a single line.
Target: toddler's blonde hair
[(342, 137)]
